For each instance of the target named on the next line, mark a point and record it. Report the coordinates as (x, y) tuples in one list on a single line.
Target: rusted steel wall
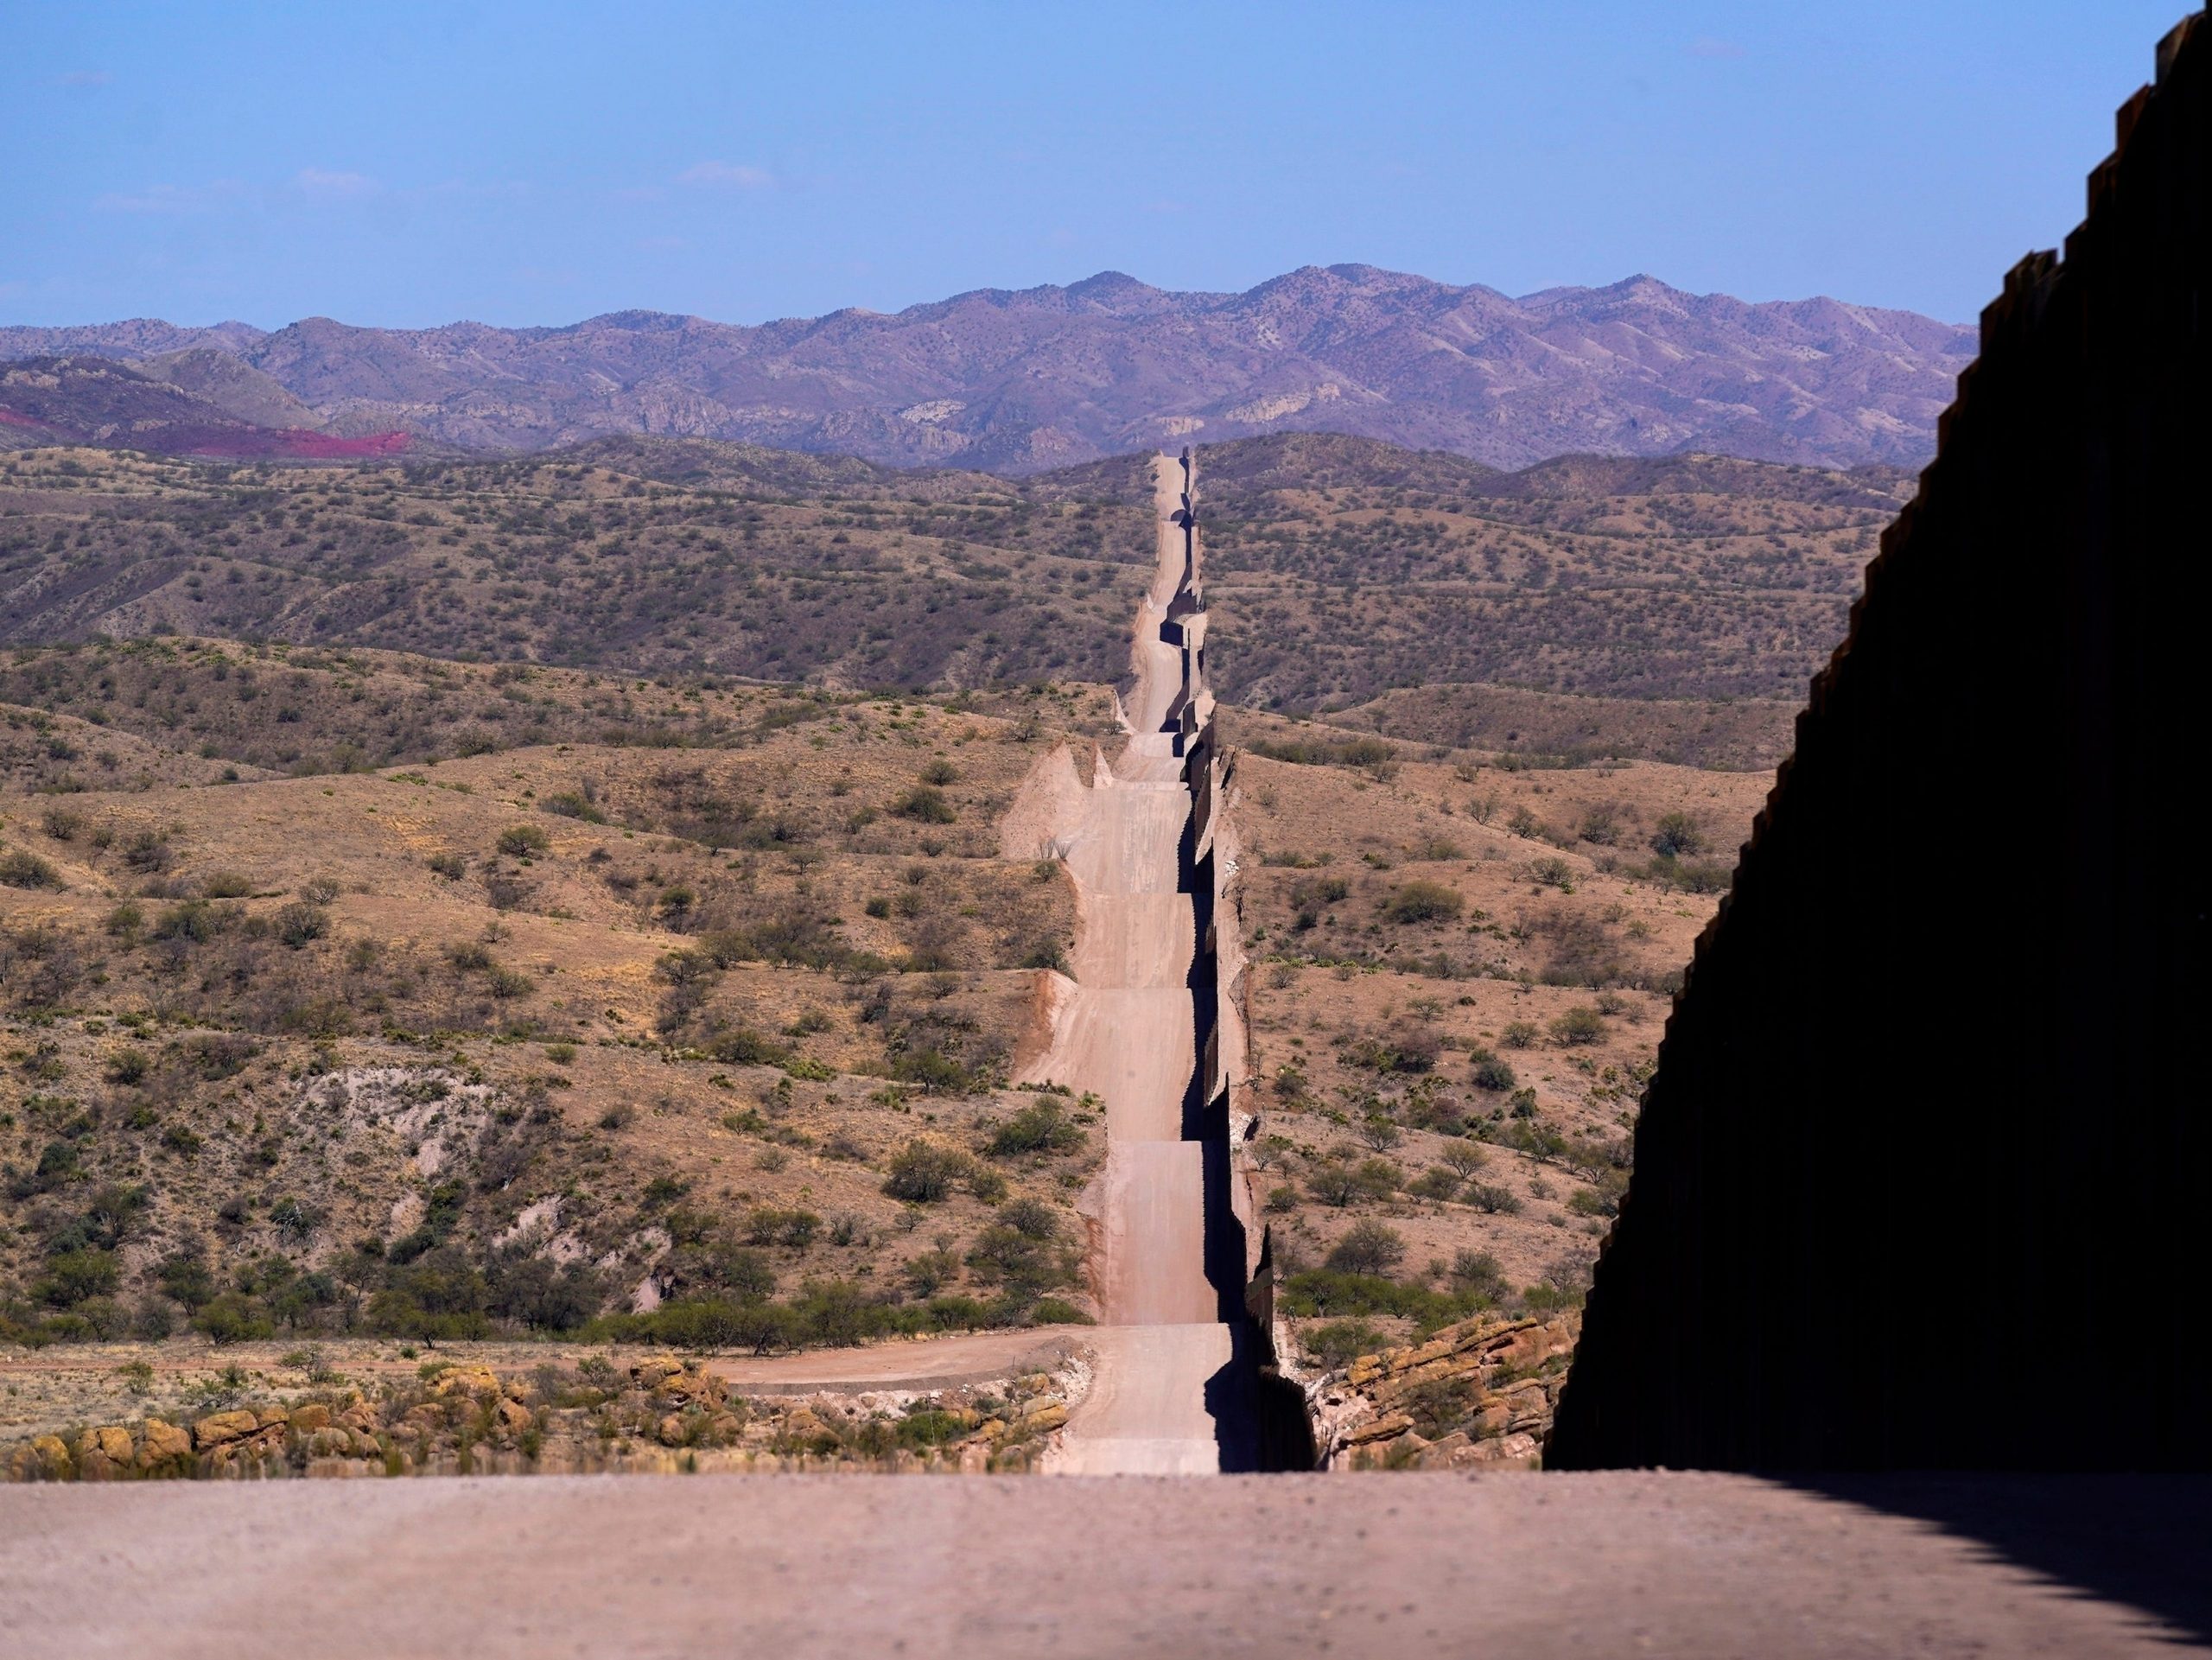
[(1921, 1176)]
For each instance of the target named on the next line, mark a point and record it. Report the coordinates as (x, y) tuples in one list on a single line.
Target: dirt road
[(795, 1567), (1166, 1397)]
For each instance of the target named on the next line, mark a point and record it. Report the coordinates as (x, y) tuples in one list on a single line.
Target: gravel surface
[(1529, 1566)]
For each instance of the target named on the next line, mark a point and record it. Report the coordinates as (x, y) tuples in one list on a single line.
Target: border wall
[(1920, 1176)]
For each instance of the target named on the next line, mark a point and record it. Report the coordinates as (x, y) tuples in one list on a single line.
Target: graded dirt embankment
[(1174, 1391)]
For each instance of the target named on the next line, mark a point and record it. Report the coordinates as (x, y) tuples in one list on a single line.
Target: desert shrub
[(1044, 1126), (925, 804), (940, 771), (233, 1317), (1318, 752), (1553, 872), (520, 841), (1579, 1024), (1491, 1072), (1421, 901), (923, 1173), (149, 852), (1437, 1182), (1412, 1050), (62, 824), (1310, 894), (299, 923), (1677, 834), (1492, 1200), (125, 1066), (1520, 1034), (1341, 1342), (1031, 1217), (1367, 1248), (1478, 1272), (225, 885), (72, 1276), (932, 1069), (1695, 877), (795, 1230), (742, 1047), (1463, 1159), (571, 804), (19, 868)]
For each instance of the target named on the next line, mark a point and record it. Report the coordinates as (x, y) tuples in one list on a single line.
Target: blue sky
[(405, 165)]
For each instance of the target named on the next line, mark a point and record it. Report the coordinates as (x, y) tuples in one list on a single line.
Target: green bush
[(1042, 1126), (1677, 834), (742, 1047), (923, 1173), (74, 1275), (925, 804), (1492, 1200), (299, 923), (569, 803), (1491, 1072), (767, 1225), (1421, 901), (520, 841), (20, 867), (1341, 1342), (1579, 1025), (1367, 1248)]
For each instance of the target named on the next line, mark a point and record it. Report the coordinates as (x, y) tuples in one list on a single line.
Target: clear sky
[(407, 164)]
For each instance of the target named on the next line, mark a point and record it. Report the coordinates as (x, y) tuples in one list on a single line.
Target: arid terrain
[(1672, 609), (383, 962)]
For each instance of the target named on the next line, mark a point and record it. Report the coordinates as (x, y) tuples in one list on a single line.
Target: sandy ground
[(1531, 1567)]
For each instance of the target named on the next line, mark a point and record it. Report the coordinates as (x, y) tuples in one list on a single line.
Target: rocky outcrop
[(665, 1414), (1480, 1392)]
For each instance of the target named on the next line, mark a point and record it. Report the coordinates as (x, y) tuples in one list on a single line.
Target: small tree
[(1372, 1248), (1677, 834), (1579, 1025), (924, 1173), (1463, 1159)]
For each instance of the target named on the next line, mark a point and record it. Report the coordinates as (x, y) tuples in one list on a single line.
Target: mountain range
[(1016, 381)]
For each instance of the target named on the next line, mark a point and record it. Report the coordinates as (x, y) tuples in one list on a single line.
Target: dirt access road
[(1171, 1394), (796, 1567)]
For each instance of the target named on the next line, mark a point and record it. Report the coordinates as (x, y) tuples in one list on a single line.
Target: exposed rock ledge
[(1481, 1392)]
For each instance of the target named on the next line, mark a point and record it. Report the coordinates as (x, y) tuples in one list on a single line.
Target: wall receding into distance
[(1921, 1177)]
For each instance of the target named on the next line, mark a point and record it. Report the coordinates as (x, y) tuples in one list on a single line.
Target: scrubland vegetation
[(562, 896)]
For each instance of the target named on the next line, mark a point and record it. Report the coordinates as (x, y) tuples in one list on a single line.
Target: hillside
[(517, 1033), (386, 996), (1023, 381), (195, 403), (1612, 583)]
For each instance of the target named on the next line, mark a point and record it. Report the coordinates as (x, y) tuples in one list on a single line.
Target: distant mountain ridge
[(1019, 381)]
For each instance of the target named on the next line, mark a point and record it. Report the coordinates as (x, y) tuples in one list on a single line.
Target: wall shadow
[(2142, 1540)]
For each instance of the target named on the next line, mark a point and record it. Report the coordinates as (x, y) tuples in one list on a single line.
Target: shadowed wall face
[(1920, 1176)]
